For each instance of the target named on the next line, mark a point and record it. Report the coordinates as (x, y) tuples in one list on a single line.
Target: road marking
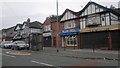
[(18, 53), (9, 55), (42, 63)]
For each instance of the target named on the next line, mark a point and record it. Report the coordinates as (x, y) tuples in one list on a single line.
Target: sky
[(14, 12)]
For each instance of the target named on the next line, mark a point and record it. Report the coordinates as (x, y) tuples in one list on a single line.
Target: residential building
[(7, 34), (24, 30), (17, 32)]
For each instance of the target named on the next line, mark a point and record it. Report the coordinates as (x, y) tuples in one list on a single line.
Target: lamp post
[(57, 27)]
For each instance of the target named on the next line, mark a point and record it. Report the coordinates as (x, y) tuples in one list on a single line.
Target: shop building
[(99, 27), (69, 29), (49, 32)]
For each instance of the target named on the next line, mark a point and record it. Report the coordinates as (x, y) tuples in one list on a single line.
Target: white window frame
[(47, 28), (71, 23)]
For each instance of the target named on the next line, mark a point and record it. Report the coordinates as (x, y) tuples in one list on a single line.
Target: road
[(53, 59)]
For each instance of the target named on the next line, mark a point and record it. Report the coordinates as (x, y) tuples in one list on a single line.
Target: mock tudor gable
[(68, 14), (91, 8), (94, 8)]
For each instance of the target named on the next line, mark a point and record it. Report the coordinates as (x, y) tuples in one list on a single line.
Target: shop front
[(47, 39), (100, 37), (69, 37)]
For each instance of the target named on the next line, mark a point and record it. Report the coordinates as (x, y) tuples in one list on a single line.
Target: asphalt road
[(51, 58)]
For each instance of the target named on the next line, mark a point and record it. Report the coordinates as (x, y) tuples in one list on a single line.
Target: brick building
[(69, 29), (50, 32)]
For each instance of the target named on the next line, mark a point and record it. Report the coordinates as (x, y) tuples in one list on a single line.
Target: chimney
[(28, 20)]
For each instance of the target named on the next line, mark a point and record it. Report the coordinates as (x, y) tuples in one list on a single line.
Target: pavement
[(74, 53), (85, 53)]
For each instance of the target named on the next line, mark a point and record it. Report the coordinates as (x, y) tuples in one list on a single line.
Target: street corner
[(17, 53)]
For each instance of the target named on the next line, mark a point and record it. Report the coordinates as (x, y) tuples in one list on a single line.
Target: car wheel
[(12, 48), (27, 48), (4, 47), (17, 48)]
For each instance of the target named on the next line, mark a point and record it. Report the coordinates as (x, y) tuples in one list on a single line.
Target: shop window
[(71, 41)]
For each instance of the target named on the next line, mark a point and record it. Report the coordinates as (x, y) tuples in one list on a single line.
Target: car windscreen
[(7, 42), (20, 42)]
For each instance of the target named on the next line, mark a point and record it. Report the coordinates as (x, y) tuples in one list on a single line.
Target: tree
[(53, 17)]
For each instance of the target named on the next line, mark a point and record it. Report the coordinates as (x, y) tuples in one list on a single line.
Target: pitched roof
[(20, 25), (107, 9), (75, 13), (34, 24)]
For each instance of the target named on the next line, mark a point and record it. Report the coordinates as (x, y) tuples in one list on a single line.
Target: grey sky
[(17, 11)]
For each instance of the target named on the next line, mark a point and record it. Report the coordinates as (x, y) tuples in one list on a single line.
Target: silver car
[(18, 45), (6, 44)]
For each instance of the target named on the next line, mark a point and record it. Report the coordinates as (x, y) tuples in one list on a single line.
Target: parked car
[(6, 44), (18, 45)]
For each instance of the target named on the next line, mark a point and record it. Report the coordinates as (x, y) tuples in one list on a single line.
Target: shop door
[(115, 39), (47, 41), (95, 39)]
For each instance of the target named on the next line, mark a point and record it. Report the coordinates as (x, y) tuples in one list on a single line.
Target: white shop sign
[(47, 34)]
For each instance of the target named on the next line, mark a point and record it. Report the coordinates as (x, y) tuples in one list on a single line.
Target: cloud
[(17, 11)]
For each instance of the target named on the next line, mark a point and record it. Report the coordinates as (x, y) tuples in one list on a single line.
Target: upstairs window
[(47, 28), (93, 21), (69, 24)]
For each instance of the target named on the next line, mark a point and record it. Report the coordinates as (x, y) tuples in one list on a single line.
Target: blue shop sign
[(69, 32)]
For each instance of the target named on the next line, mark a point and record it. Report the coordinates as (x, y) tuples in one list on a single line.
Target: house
[(17, 32), (24, 30), (69, 29), (99, 27), (7, 34)]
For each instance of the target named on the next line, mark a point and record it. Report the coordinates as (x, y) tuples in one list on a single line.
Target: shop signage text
[(69, 32), (99, 30)]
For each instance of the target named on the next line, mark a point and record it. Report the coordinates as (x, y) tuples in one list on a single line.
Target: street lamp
[(57, 27)]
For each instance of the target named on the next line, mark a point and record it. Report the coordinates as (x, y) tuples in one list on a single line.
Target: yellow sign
[(102, 28)]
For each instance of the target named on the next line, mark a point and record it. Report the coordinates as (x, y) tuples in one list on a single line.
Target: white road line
[(42, 63), (9, 55)]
